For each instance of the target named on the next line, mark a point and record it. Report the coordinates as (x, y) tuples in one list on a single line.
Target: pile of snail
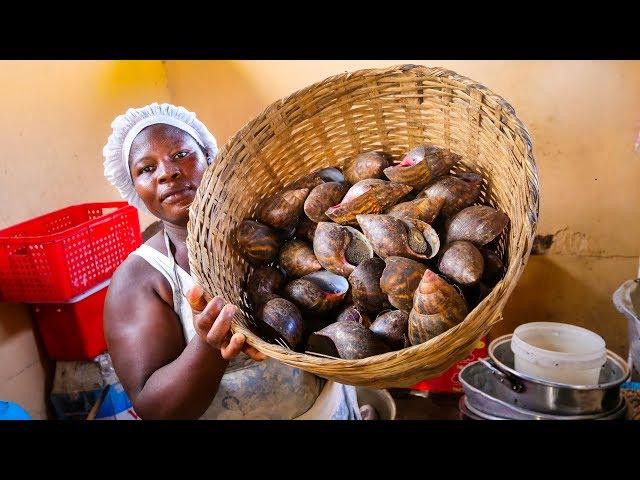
[(377, 257)]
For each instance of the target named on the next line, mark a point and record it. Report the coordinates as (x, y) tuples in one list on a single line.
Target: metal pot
[(381, 400), (531, 394), (483, 399)]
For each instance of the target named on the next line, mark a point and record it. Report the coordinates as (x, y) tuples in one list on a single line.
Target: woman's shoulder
[(135, 276)]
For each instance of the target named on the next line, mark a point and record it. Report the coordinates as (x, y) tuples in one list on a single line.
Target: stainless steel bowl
[(543, 396), (485, 398)]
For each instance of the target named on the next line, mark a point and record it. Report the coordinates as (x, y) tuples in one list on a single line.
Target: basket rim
[(533, 214)]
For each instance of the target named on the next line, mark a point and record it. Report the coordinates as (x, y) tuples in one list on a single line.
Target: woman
[(170, 346)]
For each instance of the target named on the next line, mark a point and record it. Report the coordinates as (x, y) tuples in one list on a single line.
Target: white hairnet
[(126, 127)]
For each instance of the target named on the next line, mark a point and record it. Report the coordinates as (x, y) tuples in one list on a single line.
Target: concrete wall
[(54, 121)]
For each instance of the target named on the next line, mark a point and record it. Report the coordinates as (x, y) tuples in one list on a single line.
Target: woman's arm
[(164, 377)]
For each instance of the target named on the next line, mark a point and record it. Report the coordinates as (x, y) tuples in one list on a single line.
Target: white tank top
[(256, 390)]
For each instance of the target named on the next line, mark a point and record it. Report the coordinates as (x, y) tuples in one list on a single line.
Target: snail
[(297, 259), (306, 229), (366, 165), (321, 198), (282, 319), (421, 164), (352, 313), (400, 279), (462, 262), (478, 224), (390, 236), (348, 340), (458, 192), (493, 267), (365, 286), (437, 307), (282, 209), (425, 209), (367, 196), (392, 328), (317, 292), (263, 284), (258, 243), (340, 249)]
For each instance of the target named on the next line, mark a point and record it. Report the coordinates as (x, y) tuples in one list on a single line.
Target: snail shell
[(390, 236), (462, 262), (321, 198), (400, 279), (317, 292), (437, 307), (257, 243), (340, 249), (365, 166), (458, 192), (348, 340), (282, 319), (392, 328), (297, 259), (367, 196), (421, 164), (365, 286), (478, 224), (282, 210)]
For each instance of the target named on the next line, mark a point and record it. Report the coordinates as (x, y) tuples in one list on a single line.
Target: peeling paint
[(541, 244), (567, 242)]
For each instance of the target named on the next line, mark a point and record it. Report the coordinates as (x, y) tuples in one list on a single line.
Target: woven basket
[(392, 109)]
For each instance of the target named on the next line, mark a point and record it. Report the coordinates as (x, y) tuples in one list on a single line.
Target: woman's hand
[(212, 322)]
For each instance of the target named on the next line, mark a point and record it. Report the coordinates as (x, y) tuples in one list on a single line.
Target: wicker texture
[(392, 109)]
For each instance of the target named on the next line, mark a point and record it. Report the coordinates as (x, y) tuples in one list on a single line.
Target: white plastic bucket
[(558, 352)]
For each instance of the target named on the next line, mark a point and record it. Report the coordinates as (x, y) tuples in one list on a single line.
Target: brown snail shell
[(297, 259), (348, 340), (437, 307), (321, 198), (400, 279), (462, 262), (392, 327), (376, 198), (493, 267), (285, 234), (425, 209), (283, 209), (282, 319), (458, 192), (258, 243), (362, 187), (478, 224), (306, 228), (263, 284), (365, 286), (309, 181), (364, 166), (317, 292), (421, 164), (340, 249), (352, 313), (390, 236)]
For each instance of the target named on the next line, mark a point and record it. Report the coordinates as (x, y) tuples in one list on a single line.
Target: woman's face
[(166, 165)]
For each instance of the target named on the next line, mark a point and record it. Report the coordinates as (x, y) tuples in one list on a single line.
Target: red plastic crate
[(449, 382), (57, 256), (73, 331)]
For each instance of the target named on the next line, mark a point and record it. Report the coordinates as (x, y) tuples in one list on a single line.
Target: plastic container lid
[(562, 345)]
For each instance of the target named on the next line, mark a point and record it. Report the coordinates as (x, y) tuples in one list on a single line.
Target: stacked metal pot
[(495, 390)]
